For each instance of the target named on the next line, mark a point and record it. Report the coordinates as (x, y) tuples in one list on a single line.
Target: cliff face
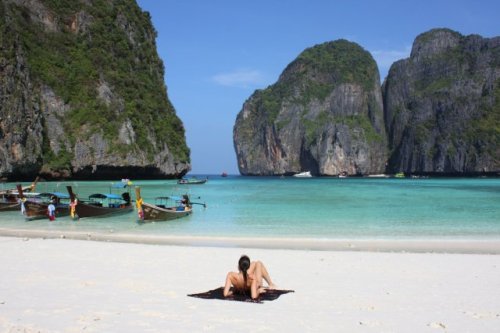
[(324, 114), (82, 93), (441, 112), (442, 105)]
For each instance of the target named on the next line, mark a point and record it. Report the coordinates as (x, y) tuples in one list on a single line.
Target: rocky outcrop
[(82, 93), (21, 128), (441, 112), (442, 106), (324, 115)]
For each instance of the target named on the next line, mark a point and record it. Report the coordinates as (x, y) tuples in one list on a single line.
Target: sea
[(312, 208)]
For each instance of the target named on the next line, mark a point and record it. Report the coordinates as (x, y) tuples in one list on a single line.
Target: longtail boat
[(161, 211), (99, 204), (12, 201), (37, 207), (191, 181), (9, 199)]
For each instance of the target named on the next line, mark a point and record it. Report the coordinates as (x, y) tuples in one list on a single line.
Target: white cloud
[(385, 58), (242, 78)]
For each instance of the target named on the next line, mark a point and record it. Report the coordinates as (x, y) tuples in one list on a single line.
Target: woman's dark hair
[(243, 265)]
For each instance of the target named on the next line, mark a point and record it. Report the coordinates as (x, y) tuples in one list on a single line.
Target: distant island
[(436, 113)]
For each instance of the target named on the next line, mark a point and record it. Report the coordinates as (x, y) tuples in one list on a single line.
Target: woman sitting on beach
[(248, 279)]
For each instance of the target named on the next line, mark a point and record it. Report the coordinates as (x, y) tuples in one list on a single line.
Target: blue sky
[(218, 52)]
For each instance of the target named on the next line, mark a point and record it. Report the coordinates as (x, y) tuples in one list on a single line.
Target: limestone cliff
[(324, 115), (442, 106), (82, 93)]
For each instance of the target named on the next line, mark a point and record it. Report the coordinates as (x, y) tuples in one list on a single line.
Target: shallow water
[(331, 208)]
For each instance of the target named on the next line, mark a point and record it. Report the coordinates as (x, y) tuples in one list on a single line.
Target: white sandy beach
[(62, 285)]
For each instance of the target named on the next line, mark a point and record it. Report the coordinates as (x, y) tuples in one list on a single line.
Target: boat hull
[(191, 181), (305, 174), (38, 210), (9, 206), (9, 201), (155, 213), (85, 210)]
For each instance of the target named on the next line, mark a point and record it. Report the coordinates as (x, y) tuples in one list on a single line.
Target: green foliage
[(361, 122), (423, 130), (315, 90), (271, 99), (316, 73), (441, 72), (311, 131), (282, 124), (116, 46), (61, 161), (342, 60), (314, 127), (435, 86), (429, 35), (7, 38), (485, 128)]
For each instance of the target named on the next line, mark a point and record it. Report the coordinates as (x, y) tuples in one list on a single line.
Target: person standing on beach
[(248, 278), (51, 211)]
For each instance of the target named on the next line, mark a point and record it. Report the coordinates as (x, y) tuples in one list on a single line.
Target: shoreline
[(437, 245)]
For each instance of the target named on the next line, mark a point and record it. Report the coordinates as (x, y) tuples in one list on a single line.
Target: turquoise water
[(330, 208)]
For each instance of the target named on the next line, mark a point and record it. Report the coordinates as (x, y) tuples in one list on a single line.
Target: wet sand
[(466, 246)]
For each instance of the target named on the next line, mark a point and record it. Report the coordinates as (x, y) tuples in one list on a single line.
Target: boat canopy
[(27, 194), (119, 185), (171, 198), (59, 195), (105, 196)]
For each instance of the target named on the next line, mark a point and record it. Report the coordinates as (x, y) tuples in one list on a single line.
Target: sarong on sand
[(268, 295)]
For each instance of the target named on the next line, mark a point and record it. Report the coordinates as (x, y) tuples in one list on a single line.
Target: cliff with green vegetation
[(440, 113), (324, 114), (442, 106), (82, 93)]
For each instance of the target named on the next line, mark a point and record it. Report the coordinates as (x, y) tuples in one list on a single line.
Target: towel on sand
[(268, 295)]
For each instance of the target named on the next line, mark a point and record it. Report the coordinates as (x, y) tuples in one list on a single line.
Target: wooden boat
[(9, 199), (36, 207), (99, 204), (161, 211), (191, 181)]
